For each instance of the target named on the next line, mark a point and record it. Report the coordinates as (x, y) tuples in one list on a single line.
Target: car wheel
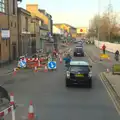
[(67, 83), (90, 83)]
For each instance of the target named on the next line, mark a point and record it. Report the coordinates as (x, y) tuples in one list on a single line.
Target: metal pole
[(98, 22), (9, 29), (13, 113), (109, 29)]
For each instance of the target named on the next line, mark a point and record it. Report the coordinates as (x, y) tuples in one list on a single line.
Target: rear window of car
[(79, 69), (78, 49)]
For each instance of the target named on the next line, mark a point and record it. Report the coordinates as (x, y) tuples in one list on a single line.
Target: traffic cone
[(14, 71), (38, 63), (60, 59), (45, 70), (12, 99), (31, 114), (35, 69)]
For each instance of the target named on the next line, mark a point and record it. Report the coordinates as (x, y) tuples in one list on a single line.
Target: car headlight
[(90, 74), (68, 74)]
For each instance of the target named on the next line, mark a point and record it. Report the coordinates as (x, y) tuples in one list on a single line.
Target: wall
[(34, 29), (33, 8), (111, 47), (24, 38), (4, 51), (13, 30)]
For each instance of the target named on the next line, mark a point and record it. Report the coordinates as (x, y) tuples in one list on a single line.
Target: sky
[(74, 12)]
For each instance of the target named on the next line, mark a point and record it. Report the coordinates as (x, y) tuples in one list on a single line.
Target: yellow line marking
[(110, 94)]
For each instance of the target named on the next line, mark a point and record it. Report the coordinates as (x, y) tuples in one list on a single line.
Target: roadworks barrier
[(10, 109)]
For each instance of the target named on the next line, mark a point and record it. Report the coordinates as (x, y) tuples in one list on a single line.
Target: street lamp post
[(98, 34)]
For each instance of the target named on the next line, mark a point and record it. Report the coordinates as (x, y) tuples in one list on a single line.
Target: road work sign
[(52, 65), (22, 63)]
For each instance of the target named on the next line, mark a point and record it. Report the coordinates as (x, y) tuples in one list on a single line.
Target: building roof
[(45, 13), (33, 8), (24, 11), (56, 30)]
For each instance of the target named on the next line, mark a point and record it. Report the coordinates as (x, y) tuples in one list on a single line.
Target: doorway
[(14, 52)]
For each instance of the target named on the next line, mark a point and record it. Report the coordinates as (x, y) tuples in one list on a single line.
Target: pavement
[(53, 101), (112, 83), (7, 69), (94, 54)]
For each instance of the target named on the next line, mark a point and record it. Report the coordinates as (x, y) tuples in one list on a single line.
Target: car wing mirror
[(90, 66)]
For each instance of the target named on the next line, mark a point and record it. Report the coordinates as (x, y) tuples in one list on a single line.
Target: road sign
[(22, 63), (52, 65)]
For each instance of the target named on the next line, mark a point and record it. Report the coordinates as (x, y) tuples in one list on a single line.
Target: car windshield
[(79, 69)]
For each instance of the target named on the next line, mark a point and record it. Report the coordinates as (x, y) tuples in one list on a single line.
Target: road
[(53, 101)]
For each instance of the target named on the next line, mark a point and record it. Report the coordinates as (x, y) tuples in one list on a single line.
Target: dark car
[(79, 73), (78, 51)]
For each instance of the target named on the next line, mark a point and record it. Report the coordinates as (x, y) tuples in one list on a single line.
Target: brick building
[(24, 34), (8, 30)]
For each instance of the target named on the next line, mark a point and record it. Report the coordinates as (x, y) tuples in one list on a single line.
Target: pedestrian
[(104, 48)]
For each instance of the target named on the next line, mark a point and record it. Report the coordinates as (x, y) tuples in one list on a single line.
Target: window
[(14, 7), (2, 6), (79, 69), (26, 23)]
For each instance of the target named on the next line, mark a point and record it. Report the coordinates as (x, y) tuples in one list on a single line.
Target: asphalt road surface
[(53, 101)]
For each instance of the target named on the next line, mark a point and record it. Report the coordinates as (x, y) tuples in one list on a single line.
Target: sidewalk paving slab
[(112, 85)]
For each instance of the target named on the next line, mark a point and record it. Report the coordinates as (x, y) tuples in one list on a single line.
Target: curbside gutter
[(89, 58), (111, 91)]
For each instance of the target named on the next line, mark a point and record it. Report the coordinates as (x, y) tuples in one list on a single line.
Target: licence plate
[(79, 75)]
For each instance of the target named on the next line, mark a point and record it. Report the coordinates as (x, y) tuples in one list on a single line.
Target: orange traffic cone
[(45, 70), (14, 71), (60, 59), (12, 99), (31, 115), (35, 69)]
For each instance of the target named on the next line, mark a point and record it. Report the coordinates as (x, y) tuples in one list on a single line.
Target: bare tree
[(106, 25)]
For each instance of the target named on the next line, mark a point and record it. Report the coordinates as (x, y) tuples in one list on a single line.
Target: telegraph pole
[(109, 15), (98, 34)]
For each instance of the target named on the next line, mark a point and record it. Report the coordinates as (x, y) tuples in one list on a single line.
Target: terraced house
[(8, 30)]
